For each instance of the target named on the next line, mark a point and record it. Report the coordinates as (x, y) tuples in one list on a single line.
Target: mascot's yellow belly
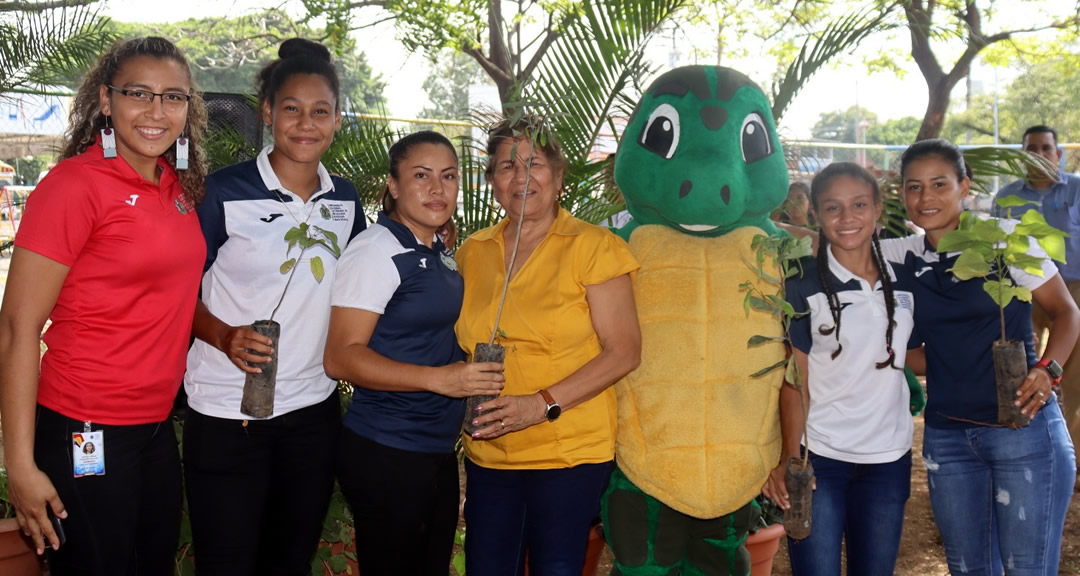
[(695, 430)]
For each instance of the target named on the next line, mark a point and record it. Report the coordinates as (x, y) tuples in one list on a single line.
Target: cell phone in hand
[(57, 526)]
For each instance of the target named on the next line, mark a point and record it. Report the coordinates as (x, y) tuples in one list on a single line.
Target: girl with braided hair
[(850, 346), (110, 250)]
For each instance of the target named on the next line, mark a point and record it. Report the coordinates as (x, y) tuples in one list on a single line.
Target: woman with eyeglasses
[(258, 488), (110, 251)]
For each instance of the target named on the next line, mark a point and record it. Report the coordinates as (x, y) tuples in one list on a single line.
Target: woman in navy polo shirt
[(395, 301), (850, 349), (999, 494)]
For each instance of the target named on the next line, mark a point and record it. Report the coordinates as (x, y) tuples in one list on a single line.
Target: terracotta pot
[(762, 546), (17, 557), (592, 552)]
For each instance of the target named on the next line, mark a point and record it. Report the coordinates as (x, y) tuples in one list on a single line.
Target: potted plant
[(777, 259), (258, 399), (17, 554), (764, 539), (985, 249)]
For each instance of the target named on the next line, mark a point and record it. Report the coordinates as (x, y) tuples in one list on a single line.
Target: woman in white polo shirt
[(850, 349), (258, 488)]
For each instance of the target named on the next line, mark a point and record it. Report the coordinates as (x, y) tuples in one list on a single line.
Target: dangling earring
[(181, 153), (108, 140)]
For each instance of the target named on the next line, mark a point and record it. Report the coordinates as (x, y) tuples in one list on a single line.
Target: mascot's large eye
[(661, 133), (754, 138)]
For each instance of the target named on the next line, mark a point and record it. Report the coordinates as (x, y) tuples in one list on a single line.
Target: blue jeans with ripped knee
[(1000, 495)]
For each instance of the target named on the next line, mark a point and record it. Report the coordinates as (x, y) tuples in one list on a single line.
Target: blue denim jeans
[(546, 513), (860, 503), (1000, 495)]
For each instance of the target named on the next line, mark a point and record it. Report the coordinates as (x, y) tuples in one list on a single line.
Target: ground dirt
[(921, 552)]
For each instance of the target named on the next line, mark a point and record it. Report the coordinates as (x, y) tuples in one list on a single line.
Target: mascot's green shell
[(695, 430)]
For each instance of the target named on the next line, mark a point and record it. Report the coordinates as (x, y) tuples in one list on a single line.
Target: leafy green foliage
[(776, 259), (227, 53), (49, 47), (986, 250), (306, 236)]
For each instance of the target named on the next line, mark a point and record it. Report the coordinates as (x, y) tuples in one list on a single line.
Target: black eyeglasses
[(146, 97)]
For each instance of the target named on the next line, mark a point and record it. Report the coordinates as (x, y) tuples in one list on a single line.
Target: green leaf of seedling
[(956, 241), (746, 302), (791, 373), (1033, 224), (294, 234), (1026, 262), (783, 305), (287, 265), (765, 371), (292, 244), (1012, 201), (1054, 247), (988, 231), (331, 237), (317, 269), (758, 340), (970, 265), (760, 304), (308, 242), (459, 563), (338, 564), (1003, 292)]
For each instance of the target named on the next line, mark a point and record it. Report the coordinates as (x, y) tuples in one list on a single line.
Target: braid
[(890, 302), (830, 292)]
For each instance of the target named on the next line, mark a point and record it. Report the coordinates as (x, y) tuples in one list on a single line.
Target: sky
[(834, 88)]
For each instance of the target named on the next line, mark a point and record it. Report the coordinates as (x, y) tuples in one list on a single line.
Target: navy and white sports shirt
[(858, 412), (417, 293), (244, 218), (959, 323)]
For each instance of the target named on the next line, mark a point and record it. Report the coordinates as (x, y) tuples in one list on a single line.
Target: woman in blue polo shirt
[(850, 349), (999, 494), (395, 300)]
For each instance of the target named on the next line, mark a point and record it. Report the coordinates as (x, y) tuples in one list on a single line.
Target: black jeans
[(258, 494), (405, 506), (126, 522)]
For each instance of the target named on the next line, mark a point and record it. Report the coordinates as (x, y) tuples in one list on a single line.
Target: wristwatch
[(553, 409), (1052, 367)]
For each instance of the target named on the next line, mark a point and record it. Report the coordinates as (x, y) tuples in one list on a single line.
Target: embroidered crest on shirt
[(448, 261), (183, 205), (324, 211)]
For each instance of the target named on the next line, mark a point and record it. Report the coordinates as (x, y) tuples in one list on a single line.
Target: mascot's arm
[(626, 230), (792, 420), (916, 364)]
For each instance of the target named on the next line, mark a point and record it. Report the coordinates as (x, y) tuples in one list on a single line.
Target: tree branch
[(549, 39), (919, 25), (42, 6)]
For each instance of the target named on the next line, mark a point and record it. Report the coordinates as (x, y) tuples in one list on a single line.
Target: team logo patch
[(324, 211), (903, 300), (448, 261)]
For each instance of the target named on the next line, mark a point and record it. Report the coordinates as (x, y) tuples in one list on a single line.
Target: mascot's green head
[(701, 154)]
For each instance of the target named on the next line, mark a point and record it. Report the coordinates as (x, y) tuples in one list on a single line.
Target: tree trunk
[(936, 107)]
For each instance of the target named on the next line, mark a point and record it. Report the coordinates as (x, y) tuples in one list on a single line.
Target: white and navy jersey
[(417, 293), (858, 412), (244, 218), (959, 323)]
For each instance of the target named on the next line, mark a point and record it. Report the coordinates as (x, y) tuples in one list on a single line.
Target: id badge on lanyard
[(88, 452)]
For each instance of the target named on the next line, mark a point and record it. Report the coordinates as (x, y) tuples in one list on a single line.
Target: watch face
[(553, 412), (1055, 369)]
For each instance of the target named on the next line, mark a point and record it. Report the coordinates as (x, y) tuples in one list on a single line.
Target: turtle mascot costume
[(701, 168)]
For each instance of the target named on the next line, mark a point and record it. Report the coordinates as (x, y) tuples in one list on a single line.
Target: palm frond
[(358, 154), (592, 64), (50, 47), (838, 37)]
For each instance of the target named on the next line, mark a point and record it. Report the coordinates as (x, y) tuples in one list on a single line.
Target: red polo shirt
[(122, 323)]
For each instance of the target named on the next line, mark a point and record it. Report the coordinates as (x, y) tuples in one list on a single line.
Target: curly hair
[(86, 118)]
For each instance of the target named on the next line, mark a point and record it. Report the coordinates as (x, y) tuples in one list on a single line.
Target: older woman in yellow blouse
[(541, 460)]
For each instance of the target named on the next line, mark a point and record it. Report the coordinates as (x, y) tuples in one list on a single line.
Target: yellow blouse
[(548, 336)]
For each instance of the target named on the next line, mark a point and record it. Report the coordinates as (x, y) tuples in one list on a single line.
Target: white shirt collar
[(844, 275), (271, 181)]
